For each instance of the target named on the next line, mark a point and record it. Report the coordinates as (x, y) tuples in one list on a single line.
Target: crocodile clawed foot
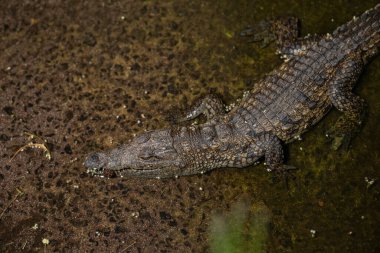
[(260, 32), (342, 133), (283, 172), (341, 141)]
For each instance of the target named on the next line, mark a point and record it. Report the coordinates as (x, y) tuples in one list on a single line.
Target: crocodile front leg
[(273, 152), (342, 97), (211, 106)]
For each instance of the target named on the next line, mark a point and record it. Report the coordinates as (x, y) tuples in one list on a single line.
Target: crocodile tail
[(362, 31)]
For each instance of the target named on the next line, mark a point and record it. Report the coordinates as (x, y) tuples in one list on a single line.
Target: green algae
[(244, 229)]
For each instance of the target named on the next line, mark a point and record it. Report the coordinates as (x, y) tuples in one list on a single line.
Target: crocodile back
[(293, 97), (289, 99), (361, 33)]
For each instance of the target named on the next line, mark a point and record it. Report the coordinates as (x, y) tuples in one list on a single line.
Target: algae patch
[(244, 229)]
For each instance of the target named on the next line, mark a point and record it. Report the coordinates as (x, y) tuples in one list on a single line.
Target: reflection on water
[(244, 229)]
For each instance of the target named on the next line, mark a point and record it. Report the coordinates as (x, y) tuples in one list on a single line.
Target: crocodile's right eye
[(147, 154), (208, 133)]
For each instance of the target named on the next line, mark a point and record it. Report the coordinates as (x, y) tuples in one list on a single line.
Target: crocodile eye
[(208, 133), (156, 154), (147, 154)]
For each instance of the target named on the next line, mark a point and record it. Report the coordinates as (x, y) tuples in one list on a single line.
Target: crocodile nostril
[(93, 161), (95, 157)]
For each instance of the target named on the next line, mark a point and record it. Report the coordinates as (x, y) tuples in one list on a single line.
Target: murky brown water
[(88, 75)]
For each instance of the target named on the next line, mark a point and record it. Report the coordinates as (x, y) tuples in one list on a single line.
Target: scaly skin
[(318, 73)]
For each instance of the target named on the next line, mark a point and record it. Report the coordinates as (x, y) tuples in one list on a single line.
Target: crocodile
[(318, 73)]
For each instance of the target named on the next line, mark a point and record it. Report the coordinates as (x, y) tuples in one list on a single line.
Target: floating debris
[(33, 145)]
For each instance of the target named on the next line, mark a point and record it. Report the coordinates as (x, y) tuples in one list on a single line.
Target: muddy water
[(81, 76)]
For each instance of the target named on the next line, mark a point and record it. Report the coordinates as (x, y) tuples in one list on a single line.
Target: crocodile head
[(151, 154)]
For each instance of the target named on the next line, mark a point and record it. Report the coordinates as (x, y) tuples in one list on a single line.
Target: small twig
[(32, 136), (31, 144), (19, 193), (130, 245), (81, 239), (45, 242)]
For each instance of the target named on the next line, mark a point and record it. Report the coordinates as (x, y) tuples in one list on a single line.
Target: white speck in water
[(45, 241), (369, 181), (313, 232), (35, 226), (200, 188), (301, 148), (122, 17), (135, 214)]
